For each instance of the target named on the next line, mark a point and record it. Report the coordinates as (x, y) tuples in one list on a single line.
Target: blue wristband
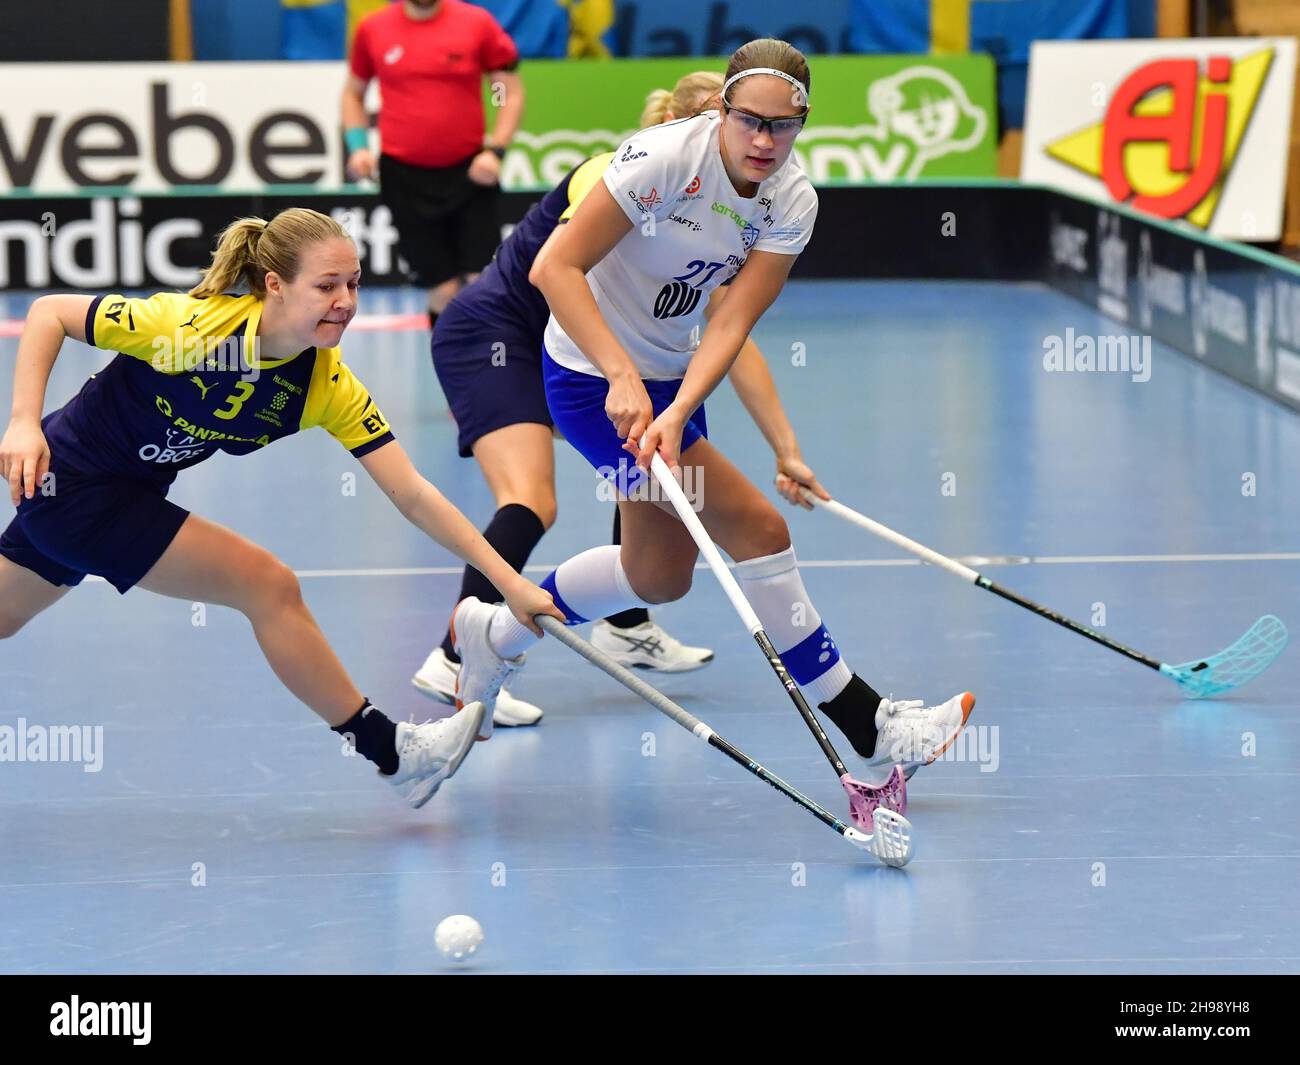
[(356, 138)]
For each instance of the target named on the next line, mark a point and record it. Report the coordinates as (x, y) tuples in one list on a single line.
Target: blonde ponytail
[(692, 94), (656, 106), (249, 248)]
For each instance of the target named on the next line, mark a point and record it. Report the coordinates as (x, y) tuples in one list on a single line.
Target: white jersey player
[(633, 348)]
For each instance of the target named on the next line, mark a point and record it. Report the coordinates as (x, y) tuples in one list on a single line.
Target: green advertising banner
[(874, 118)]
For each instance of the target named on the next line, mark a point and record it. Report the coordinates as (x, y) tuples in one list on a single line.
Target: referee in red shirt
[(437, 173)]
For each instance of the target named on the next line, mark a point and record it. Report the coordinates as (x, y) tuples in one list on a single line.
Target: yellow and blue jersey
[(187, 382)]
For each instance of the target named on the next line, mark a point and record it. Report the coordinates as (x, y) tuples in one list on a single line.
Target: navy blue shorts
[(491, 376), (114, 527), (577, 402)]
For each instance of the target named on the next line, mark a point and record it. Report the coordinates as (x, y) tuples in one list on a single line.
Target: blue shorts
[(491, 375), (577, 402), (114, 527)]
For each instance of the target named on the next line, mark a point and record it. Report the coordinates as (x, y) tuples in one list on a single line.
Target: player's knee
[(666, 586), (10, 625), (282, 586), (273, 585), (768, 532)]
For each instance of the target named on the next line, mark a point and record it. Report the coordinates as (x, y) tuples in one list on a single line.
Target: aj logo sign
[(1170, 134), (1176, 129)]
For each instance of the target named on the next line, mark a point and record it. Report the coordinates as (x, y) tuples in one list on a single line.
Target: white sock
[(587, 586), (591, 585), (507, 636), (775, 590)]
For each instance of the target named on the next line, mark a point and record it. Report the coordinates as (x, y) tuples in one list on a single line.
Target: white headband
[(765, 70)]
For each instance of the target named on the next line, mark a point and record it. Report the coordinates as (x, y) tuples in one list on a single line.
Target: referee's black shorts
[(446, 224)]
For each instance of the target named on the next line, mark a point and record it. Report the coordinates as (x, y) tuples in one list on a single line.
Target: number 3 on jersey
[(235, 401), (682, 294)]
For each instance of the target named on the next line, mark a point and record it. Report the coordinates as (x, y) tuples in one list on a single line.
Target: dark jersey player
[(212, 372)]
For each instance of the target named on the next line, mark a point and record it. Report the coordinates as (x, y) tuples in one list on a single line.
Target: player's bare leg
[(210, 564)]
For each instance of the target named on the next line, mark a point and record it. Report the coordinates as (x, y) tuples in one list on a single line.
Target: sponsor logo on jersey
[(272, 413), (676, 299), (723, 209), (181, 447), (651, 200), (694, 186), (394, 54), (694, 227), (630, 152), (187, 440), (114, 314)]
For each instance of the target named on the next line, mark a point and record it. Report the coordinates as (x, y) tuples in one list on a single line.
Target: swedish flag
[(950, 27), (313, 29), (589, 21)]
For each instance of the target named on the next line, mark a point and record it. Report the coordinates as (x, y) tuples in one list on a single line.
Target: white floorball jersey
[(691, 231)]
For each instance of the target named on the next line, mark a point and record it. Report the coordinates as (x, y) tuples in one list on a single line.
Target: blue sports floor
[(1111, 828)]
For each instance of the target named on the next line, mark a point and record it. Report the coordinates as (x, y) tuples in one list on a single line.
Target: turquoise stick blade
[(1231, 668)]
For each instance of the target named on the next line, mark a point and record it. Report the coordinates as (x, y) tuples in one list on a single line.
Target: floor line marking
[(852, 563)]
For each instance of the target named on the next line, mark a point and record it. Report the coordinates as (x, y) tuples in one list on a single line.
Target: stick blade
[(1231, 668), (865, 800), (891, 841)]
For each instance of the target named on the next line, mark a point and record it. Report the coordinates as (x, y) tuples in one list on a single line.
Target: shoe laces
[(505, 669), (904, 706), (667, 642)]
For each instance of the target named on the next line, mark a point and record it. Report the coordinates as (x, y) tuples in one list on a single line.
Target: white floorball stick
[(863, 798)]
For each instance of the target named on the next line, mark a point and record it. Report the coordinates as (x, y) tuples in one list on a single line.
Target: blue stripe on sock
[(812, 657), (571, 616)]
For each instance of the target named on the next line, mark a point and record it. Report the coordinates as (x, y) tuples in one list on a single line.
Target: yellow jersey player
[(207, 372)]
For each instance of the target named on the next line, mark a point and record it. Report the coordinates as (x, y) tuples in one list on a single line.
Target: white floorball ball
[(458, 937)]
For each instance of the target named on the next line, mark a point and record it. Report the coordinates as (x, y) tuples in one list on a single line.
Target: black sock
[(638, 615), (854, 714), (513, 531), (373, 736)]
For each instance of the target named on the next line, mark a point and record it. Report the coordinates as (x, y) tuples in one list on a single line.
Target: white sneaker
[(913, 735), (483, 672), (437, 679), (430, 753), (647, 646)]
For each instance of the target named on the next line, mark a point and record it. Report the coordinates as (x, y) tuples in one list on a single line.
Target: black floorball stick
[(889, 836), (1201, 677)]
